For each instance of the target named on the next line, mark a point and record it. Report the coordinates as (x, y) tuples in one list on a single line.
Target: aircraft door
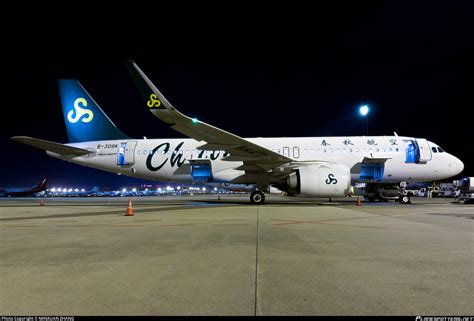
[(126, 153), (424, 149), (411, 151), (296, 152)]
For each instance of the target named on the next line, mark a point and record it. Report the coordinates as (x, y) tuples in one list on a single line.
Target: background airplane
[(17, 192)]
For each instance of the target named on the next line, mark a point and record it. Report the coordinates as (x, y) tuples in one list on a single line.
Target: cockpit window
[(434, 149), (440, 150)]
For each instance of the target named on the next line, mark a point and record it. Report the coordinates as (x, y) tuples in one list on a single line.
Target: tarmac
[(197, 255)]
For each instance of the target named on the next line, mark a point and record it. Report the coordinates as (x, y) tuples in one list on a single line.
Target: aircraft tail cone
[(359, 203), (129, 208), (42, 202)]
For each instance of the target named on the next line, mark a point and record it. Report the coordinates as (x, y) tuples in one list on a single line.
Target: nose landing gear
[(404, 198)]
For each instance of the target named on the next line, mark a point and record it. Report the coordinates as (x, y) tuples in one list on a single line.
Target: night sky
[(412, 63)]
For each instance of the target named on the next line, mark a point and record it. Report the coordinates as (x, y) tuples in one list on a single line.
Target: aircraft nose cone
[(456, 165), (459, 165)]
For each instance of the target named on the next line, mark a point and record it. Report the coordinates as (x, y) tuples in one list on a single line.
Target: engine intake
[(325, 180)]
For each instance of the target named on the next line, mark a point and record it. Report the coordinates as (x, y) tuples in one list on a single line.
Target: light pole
[(364, 111)]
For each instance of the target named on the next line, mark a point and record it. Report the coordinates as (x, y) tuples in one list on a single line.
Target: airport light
[(124, 190), (53, 190), (83, 190), (134, 190), (76, 190), (215, 188), (364, 111)]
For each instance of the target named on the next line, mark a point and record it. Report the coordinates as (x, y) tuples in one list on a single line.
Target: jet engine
[(322, 180)]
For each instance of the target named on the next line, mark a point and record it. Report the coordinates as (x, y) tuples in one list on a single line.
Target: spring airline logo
[(331, 179), (79, 112), (153, 101)]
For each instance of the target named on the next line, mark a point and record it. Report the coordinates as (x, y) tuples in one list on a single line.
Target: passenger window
[(434, 149), (144, 152), (138, 152)]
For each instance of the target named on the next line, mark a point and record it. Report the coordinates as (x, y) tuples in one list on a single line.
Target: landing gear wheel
[(257, 197), (404, 199)]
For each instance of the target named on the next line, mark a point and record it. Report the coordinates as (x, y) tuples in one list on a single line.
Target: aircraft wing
[(46, 145), (240, 149)]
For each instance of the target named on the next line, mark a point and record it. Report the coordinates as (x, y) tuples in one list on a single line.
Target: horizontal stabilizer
[(51, 146)]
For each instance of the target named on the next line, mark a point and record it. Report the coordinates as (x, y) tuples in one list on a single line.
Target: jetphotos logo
[(79, 112)]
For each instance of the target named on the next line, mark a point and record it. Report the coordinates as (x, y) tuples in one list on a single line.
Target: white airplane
[(300, 166)]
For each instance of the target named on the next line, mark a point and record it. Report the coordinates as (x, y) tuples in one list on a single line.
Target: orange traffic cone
[(129, 208), (359, 203), (42, 202)]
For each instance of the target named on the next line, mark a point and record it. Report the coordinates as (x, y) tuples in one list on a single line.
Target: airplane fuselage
[(168, 159)]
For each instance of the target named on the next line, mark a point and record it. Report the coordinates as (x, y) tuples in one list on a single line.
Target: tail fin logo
[(153, 101), (80, 112)]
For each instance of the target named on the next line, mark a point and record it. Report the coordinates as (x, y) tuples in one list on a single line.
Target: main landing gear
[(257, 197)]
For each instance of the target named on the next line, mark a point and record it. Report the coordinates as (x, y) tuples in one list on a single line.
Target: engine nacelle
[(325, 180)]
